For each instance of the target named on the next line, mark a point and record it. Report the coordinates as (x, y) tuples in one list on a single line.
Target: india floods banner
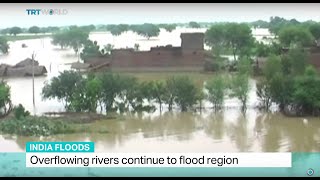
[(80, 159)]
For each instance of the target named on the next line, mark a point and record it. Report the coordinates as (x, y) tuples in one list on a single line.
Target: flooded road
[(227, 131)]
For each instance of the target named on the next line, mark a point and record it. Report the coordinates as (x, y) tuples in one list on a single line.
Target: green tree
[(5, 99), (264, 50), (215, 37), (295, 61), (15, 30), (170, 92), (158, 92), (50, 29), (87, 95), (295, 36), (239, 38), (62, 87), (144, 91), (91, 49), (216, 87), (315, 31), (236, 37), (272, 66), (88, 28), (20, 112), (117, 30), (240, 89), (245, 66), (77, 38), (60, 39), (5, 31), (306, 92), (34, 30), (264, 94), (194, 24), (112, 85), (276, 23), (147, 30), (170, 27), (4, 46), (260, 24), (185, 92), (93, 92), (281, 88)]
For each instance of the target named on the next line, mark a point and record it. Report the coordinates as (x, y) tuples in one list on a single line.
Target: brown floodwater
[(227, 131)]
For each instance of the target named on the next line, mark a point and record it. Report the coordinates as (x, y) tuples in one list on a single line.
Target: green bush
[(20, 112), (34, 126)]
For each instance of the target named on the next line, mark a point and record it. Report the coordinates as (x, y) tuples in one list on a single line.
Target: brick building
[(190, 56)]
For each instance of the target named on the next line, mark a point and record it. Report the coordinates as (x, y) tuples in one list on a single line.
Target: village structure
[(190, 56), (24, 68)]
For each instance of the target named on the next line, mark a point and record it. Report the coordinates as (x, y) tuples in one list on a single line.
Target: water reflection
[(191, 132)]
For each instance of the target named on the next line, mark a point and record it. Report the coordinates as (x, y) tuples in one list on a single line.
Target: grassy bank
[(25, 37)]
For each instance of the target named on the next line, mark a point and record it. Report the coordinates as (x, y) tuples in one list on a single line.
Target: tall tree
[(236, 37), (15, 30), (295, 36), (194, 24), (34, 30), (147, 30)]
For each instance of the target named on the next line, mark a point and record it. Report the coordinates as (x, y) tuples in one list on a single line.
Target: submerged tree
[(62, 87), (5, 99), (91, 49), (15, 30), (293, 36), (185, 92), (216, 87), (194, 24), (240, 89), (60, 39), (74, 38), (34, 30), (147, 30), (233, 36), (4, 46)]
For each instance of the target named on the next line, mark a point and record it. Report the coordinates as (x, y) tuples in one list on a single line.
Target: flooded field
[(227, 131)]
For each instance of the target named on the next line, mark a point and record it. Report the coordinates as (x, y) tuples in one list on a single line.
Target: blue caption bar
[(62, 147)]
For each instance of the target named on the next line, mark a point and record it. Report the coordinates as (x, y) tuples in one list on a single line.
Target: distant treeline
[(274, 25)]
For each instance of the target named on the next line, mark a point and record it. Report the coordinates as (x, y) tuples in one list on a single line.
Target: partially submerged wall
[(189, 57)]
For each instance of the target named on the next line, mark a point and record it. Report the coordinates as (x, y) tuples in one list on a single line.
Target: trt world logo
[(47, 11)]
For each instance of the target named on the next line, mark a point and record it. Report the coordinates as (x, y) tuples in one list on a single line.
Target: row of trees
[(37, 30), (237, 39), (147, 29), (114, 92), (33, 30), (275, 24)]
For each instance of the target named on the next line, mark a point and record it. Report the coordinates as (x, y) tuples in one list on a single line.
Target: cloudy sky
[(84, 14)]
